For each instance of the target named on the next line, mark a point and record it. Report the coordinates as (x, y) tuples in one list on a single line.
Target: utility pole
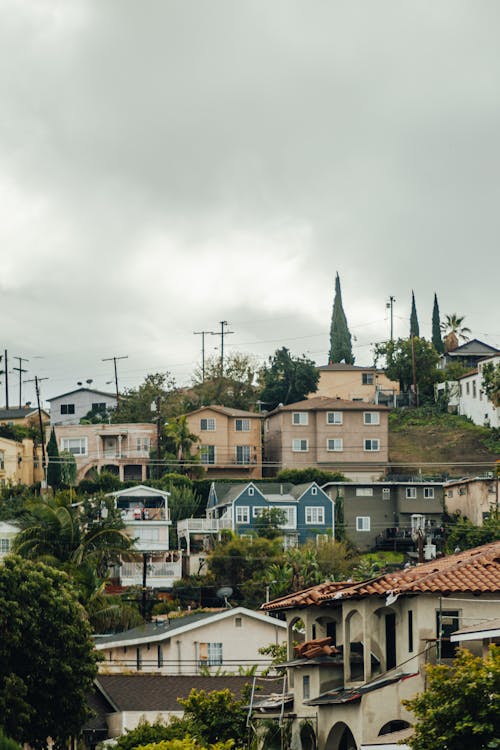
[(158, 437), (20, 370), (37, 382), (203, 334), (223, 333), (114, 360), (414, 368), (6, 373), (390, 305)]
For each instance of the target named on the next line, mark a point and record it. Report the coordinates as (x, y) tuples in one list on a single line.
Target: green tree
[(336, 560), (437, 339), (68, 468), (47, 656), (188, 743), (461, 705), (136, 404), (340, 338), (54, 464), (269, 522), (453, 324), (146, 733), (399, 364), (414, 327), (311, 474), (180, 440), (463, 534), (236, 389), (287, 379), (215, 716), (491, 381)]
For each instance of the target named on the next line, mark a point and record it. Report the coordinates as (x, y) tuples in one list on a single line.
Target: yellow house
[(26, 416), (354, 383), (19, 462)]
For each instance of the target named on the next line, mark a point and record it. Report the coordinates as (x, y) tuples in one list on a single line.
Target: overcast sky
[(168, 165)]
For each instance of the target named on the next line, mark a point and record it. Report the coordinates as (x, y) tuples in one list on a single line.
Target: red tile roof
[(474, 571)]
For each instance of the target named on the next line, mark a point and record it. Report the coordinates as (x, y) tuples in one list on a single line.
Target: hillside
[(440, 443)]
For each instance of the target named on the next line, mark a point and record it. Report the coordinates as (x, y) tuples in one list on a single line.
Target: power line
[(114, 360)]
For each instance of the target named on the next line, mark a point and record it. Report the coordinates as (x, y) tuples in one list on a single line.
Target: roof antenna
[(223, 593)]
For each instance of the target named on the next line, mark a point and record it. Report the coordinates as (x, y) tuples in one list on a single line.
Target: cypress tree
[(340, 338), (54, 474), (414, 328), (436, 327)]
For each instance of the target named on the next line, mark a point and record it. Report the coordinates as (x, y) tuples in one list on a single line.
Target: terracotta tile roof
[(474, 571)]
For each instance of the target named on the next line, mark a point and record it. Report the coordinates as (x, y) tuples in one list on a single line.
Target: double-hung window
[(367, 378), (362, 523), (211, 654), (411, 493), (67, 408), (76, 446), (364, 491), (300, 417), (243, 454), (242, 514), (372, 444), (371, 417), (334, 417), (300, 445), (207, 425), (315, 515), (429, 493), (242, 425), (334, 444), (207, 454)]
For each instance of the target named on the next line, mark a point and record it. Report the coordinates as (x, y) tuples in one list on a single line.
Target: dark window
[(160, 656), (410, 631), (390, 640), (331, 631), (449, 623), (367, 378), (306, 687), (67, 408), (138, 659), (101, 406), (313, 632)]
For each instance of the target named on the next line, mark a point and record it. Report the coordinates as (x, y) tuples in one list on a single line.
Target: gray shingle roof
[(154, 629)]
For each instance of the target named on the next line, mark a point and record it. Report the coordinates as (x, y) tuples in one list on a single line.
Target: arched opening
[(393, 726), (111, 469), (307, 736), (340, 737), (294, 626)]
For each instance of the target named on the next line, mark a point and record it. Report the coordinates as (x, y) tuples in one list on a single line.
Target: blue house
[(308, 509)]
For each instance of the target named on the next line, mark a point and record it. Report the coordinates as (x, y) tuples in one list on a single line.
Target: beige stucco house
[(474, 498), (20, 462), (212, 640), (331, 434), (120, 448), (366, 644), (8, 532), (230, 443), (356, 383)]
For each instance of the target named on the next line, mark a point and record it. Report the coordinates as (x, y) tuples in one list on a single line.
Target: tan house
[(212, 640), (474, 498), (26, 416), (367, 644), (229, 441), (355, 383), (122, 449), (8, 532), (331, 434), (20, 463)]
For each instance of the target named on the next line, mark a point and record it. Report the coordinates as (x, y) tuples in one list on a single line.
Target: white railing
[(154, 570), (203, 525)]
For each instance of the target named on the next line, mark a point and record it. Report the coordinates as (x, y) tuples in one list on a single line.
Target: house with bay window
[(331, 434), (229, 441)]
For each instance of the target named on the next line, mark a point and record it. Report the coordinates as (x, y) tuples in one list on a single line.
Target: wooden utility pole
[(223, 333), (37, 382), (114, 360), (20, 370), (203, 334)]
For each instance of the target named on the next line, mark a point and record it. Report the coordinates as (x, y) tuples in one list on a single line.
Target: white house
[(70, 407), (473, 401), (8, 532)]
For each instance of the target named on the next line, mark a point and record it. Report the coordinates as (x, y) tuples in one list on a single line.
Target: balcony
[(159, 574), (203, 525), (133, 516)]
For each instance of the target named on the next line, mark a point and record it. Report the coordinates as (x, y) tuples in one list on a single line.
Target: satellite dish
[(223, 593)]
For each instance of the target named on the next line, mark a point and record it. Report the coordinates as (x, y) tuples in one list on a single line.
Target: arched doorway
[(340, 737)]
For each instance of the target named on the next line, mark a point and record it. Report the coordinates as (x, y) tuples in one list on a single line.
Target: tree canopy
[(340, 337), (414, 327), (287, 379), (47, 656), (236, 389), (135, 404), (54, 476), (491, 381), (399, 364), (461, 706), (437, 339)]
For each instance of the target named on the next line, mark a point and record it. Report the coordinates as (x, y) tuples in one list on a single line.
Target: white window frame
[(243, 460), (315, 515), (386, 493), (207, 424), (334, 417), (364, 491), (207, 449), (371, 442), (314, 490), (251, 491), (411, 493), (429, 493), (300, 418), (297, 445), (363, 523), (4, 545), (371, 418), (242, 425), (334, 445), (66, 445), (291, 513), (242, 514), (257, 510)]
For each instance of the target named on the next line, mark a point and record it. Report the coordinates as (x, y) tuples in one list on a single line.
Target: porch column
[(143, 472), (346, 638), (367, 646), (120, 438)]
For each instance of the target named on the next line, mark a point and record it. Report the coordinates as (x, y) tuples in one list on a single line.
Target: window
[(411, 493), (306, 687), (100, 406), (290, 541), (238, 622), (138, 659), (76, 446), (159, 656), (371, 417), (300, 417), (372, 445), (290, 517), (300, 446), (242, 514), (147, 534), (367, 378), (362, 523), (364, 491), (448, 619), (314, 490), (251, 491), (242, 454), (410, 631), (334, 417), (207, 454), (386, 493), (2, 460), (334, 444), (143, 445), (4, 546), (429, 493), (315, 514), (211, 654), (242, 425), (207, 425), (257, 510), (474, 391), (467, 388), (67, 408)]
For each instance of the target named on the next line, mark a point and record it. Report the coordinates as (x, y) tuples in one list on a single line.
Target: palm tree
[(182, 438), (452, 324)]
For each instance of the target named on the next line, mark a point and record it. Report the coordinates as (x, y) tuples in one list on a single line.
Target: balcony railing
[(155, 570), (145, 514), (203, 525)]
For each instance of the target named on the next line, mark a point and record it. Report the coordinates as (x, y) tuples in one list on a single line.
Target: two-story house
[(146, 515), (468, 354), (122, 449), (356, 383), (226, 639), (71, 407), (331, 434), (308, 512), (475, 498), (20, 462), (367, 644), (230, 442), (8, 532), (390, 515)]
